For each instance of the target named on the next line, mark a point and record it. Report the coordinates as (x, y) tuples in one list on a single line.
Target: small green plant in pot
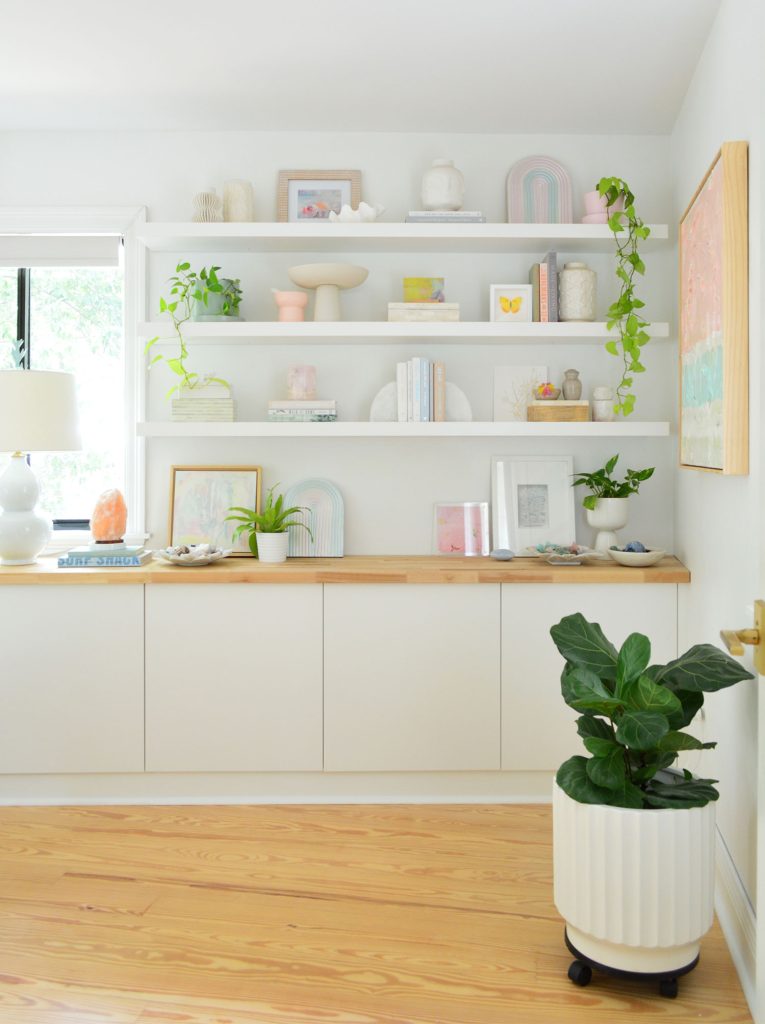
[(268, 530), (632, 834), (216, 298), (606, 503)]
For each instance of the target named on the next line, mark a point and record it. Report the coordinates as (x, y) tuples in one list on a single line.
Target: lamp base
[(23, 534)]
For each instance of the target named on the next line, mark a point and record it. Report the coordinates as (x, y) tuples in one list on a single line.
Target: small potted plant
[(216, 298), (268, 530), (606, 503), (633, 837)]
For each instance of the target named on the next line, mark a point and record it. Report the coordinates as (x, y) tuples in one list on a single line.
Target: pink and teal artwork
[(539, 192), (462, 528)]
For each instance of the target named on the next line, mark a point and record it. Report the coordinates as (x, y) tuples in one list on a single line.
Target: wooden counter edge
[(351, 569)]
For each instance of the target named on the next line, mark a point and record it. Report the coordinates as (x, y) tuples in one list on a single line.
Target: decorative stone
[(109, 518), (301, 383)]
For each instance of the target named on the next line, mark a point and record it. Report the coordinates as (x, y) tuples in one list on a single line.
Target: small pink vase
[(291, 305), (594, 202)]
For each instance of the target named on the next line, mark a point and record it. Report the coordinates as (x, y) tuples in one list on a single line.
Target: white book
[(302, 403), (416, 391), (401, 392)]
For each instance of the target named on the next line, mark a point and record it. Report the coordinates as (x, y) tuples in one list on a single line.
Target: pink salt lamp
[(107, 524)]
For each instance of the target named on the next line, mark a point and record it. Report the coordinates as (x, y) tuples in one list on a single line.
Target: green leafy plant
[(624, 315), (273, 519), (602, 485), (186, 288), (633, 715), (227, 288)]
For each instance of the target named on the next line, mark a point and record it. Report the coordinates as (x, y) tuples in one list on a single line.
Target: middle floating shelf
[(363, 428), (376, 332)]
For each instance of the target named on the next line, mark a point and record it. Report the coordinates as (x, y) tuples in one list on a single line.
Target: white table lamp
[(38, 413)]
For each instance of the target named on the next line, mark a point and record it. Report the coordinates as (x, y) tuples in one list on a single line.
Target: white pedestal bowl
[(328, 279)]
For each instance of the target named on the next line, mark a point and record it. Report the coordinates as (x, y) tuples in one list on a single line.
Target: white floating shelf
[(383, 332), (429, 430), (383, 237)]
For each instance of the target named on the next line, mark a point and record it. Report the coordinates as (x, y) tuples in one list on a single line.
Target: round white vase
[(635, 887), (608, 515), (602, 405), (23, 533), (272, 547), (576, 292), (443, 187)]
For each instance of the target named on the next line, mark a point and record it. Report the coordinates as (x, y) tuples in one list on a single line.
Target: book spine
[(551, 260), (409, 391), (431, 394), (401, 392), (103, 561), (534, 282), (424, 390), (544, 312), (439, 397), (416, 390)]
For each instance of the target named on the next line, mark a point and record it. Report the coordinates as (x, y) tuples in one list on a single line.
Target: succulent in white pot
[(633, 836), (268, 530), (607, 502)]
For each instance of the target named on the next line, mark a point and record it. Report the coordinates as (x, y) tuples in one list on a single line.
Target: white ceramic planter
[(635, 887), (608, 515), (272, 547)]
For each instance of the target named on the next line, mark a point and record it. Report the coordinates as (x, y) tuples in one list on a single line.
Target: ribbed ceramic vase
[(608, 515), (635, 887)]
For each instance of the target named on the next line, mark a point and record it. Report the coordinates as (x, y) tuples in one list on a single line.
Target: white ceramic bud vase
[(443, 187), (272, 547), (608, 515), (577, 285)]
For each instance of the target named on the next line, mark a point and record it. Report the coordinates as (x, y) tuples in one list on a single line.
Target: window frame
[(107, 220)]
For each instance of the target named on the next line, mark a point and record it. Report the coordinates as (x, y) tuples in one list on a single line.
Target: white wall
[(718, 519), (389, 485)]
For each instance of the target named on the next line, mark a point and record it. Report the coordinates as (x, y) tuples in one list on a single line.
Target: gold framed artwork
[(714, 314), (200, 497), (312, 195)]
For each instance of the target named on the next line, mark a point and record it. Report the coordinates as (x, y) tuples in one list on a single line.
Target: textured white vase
[(238, 201), (272, 547), (576, 292), (207, 207), (443, 187), (635, 887), (608, 515)]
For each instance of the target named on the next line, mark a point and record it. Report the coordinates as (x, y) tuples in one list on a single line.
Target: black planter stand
[(580, 972)]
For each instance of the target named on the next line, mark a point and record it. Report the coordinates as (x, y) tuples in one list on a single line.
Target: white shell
[(365, 214)]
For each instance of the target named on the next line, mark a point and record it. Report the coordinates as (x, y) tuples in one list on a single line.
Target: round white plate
[(192, 557), (384, 408)]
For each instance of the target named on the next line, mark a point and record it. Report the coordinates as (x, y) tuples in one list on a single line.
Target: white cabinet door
[(233, 677), (71, 678), (538, 729), (411, 677)]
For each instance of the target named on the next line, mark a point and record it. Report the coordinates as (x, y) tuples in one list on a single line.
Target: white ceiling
[(499, 66)]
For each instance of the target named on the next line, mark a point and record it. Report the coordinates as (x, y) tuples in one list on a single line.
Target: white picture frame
[(510, 303), (532, 501)]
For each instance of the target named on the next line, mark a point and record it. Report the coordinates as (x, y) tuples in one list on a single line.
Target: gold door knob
[(735, 639)]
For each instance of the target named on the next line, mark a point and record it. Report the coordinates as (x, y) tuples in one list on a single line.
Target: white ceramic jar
[(576, 292), (443, 187), (602, 405), (238, 201)]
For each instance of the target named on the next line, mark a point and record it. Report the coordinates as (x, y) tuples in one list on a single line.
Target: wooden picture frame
[(532, 501), (200, 497), (714, 314), (343, 187)]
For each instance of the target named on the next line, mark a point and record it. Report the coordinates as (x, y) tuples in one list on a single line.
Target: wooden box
[(559, 411)]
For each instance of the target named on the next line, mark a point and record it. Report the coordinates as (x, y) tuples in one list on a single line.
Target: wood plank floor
[(291, 915)]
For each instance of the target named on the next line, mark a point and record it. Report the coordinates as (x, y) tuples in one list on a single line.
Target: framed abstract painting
[(200, 499), (714, 339)]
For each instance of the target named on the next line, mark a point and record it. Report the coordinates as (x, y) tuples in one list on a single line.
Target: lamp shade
[(38, 412)]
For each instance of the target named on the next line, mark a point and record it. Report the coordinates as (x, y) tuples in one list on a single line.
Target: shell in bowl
[(637, 559)]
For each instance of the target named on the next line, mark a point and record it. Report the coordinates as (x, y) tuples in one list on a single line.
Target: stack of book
[(210, 403), (423, 312), (421, 391), (104, 555), (445, 217), (544, 289), (310, 410)]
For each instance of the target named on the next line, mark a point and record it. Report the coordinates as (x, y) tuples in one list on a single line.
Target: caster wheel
[(581, 974), (668, 988)]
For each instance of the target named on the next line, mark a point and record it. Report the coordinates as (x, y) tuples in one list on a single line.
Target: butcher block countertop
[(352, 569)]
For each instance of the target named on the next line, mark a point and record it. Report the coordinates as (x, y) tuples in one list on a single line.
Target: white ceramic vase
[(576, 292), (602, 405), (207, 207), (238, 201), (443, 187), (608, 515), (635, 887), (272, 547)]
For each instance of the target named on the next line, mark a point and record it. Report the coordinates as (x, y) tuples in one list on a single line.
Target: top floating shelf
[(382, 237)]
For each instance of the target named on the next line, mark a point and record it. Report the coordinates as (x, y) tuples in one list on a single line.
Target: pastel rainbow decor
[(325, 520), (539, 192)]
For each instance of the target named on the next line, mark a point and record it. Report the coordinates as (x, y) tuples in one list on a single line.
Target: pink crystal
[(107, 524)]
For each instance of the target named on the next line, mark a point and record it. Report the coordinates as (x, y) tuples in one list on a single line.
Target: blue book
[(425, 390), (91, 552), (104, 561), (416, 385)]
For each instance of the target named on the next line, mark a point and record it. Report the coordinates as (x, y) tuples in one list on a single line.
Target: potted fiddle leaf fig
[(268, 530), (633, 835), (606, 504)]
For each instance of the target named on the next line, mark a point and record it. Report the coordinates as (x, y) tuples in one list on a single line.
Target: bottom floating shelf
[(659, 428)]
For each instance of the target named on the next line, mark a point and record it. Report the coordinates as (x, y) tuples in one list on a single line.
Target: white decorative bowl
[(637, 559), (199, 554)]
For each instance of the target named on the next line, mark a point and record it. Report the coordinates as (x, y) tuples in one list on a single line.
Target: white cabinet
[(538, 729), (411, 677), (233, 677), (71, 683)]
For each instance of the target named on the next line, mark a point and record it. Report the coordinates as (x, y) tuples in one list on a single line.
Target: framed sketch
[(532, 501), (200, 497), (510, 303), (513, 390), (714, 342), (461, 528), (313, 195)]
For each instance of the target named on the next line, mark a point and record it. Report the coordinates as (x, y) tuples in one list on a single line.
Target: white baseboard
[(738, 921)]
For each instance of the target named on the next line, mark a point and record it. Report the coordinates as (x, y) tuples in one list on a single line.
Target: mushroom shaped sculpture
[(328, 279)]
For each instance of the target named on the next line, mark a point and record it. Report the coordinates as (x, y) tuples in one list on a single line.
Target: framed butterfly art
[(510, 302)]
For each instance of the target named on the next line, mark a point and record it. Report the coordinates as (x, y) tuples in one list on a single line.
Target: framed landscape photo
[(510, 303), (461, 528), (200, 497), (313, 195), (714, 313), (532, 501)]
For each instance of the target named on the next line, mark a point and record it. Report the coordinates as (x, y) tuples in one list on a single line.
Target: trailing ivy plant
[(624, 315), (632, 717), (602, 485), (186, 288), (274, 518)]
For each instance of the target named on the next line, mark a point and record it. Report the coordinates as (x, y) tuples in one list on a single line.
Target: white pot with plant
[(216, 298), (607, 502), (633, 837), (268, 530)]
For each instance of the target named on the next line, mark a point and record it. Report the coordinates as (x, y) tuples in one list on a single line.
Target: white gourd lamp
[(38, 413)]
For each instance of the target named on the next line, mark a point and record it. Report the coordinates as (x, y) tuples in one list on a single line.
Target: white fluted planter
[(272, 547), (635, 887)]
